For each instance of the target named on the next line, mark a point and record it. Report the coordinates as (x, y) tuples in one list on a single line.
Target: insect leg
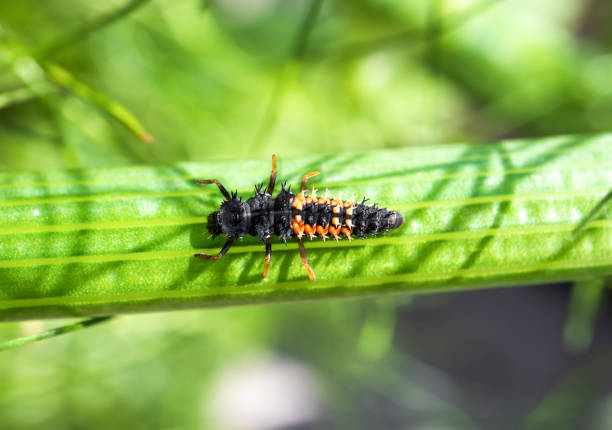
[(221, 253), (311, 274), (268, 256), (306, 177), (270, 188), (215, 181)]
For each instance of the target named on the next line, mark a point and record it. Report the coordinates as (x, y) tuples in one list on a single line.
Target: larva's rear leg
[(221, 253), (272, 182), (305, 179), (311, 274), (215, 181), (268, 256)]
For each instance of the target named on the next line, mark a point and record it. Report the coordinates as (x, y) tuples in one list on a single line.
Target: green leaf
[(95, 242)]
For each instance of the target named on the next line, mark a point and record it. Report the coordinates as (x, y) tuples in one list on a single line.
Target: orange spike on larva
[(347, 233), (334, 232), (322, 232), (298, 226), (309, 230), (298, 201)]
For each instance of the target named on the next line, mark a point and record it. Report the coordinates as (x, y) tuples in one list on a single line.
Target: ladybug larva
[(291, 215)]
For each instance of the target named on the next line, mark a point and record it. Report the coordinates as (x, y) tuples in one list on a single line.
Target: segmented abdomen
[(323, 217)]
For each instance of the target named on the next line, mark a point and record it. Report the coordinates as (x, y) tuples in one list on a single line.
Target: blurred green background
[(223, 79)]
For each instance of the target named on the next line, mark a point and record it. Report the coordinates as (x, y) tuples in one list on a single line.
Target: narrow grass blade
[(288, 72), (14, 343), (587, 297), (57, 74), (21, 95), (80, 33), (39, 77), (594, 213)]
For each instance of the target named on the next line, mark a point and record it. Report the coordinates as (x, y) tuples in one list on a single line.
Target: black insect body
[(291, 215)]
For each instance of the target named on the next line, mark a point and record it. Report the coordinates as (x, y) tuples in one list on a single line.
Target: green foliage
[(219, 80), (117, 240)]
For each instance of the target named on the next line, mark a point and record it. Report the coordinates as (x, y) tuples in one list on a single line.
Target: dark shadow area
[(503, 350)]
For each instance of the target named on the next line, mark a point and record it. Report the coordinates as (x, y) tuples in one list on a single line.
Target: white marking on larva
[(36, 212), (415, 226)]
